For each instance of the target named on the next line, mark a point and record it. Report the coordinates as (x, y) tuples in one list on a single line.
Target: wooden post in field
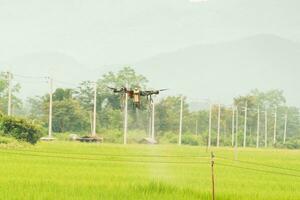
[(213, 175), (209, 127)]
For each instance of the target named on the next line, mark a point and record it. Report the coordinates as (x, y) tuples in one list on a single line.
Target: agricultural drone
[(136, 94)]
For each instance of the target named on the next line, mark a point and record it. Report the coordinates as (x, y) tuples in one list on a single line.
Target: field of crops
[(66, 170)]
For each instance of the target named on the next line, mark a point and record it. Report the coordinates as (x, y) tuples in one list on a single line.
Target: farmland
[(66, 170)]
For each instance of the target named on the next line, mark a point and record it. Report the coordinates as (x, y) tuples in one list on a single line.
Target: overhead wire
[(258, 170), (65, 83), (105, 161), (115, 155), (259, 164), (29, 77)]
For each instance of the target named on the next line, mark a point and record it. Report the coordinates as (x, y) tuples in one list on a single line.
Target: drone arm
[(149, 92)]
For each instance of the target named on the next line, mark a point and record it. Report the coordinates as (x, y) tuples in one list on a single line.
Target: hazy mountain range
[(224, 70), (217, 71)]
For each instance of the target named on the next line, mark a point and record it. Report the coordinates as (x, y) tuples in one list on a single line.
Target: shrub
[(293, 144), (21, 129), (135, 136), (190, 139), (112, 136), (187, 138), (168, 137), (6, 140)]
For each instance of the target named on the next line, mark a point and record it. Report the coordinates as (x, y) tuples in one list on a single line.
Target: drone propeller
[(115, 90), (111, 88), (161, 90)]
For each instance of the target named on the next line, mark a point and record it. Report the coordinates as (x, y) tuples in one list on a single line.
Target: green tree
[(68, 115), (270, 101), (168, 111), (107, 102)]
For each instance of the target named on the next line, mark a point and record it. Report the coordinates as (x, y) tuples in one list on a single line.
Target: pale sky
[(102, 35), (118, 31)]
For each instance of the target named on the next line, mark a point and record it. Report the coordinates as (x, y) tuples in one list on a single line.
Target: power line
[(29, 77), (65, 83), (113, 155), (119, 161), (260, 164), (259, 170)]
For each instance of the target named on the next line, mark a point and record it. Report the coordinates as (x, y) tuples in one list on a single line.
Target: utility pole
[(285, 127), (126, 116), (153, 121), (95, 110), (237, 123), (91, 121), (50, 107), (245, 125), (209, 126), (150, 124), (219, 124), (196, 127), (180, 122), (258, 126), (275, 126), (266, 128), (236, 134), (233, 128), (9, 106)]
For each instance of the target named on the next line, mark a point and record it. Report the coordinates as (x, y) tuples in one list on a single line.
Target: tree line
[(72, 112)]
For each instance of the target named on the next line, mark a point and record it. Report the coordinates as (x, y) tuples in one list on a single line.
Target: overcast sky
[(99, 33), (118, 31)]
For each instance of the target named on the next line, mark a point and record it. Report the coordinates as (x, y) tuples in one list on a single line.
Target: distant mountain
[(224, 70), (218, 71), (65, 69)]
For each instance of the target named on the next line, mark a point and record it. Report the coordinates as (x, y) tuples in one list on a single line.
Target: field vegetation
[(71, 170)]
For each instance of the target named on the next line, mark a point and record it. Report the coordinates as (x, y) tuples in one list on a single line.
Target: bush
[(168, 137), (112, 136), (6, 140), (293, 144), (10, 142), (135, 136), (116, 136), (21, 129), (190, 139)]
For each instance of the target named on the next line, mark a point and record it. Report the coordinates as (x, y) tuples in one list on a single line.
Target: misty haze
[(160, 99)]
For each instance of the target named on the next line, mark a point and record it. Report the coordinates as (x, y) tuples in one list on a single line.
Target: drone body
[(136, 94)]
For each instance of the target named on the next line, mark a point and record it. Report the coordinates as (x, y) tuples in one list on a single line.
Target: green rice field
[(71, 170)]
